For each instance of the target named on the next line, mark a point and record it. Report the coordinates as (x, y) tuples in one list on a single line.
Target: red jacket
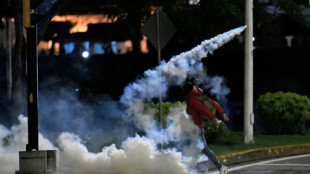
[(196, 108)]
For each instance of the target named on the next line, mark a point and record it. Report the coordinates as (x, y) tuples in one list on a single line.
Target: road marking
[(297, 165), (262, 163)]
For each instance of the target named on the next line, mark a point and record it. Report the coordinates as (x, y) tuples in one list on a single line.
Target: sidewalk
[(262, 153)]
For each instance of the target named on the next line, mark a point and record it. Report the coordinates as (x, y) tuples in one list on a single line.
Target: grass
[(234, 142)]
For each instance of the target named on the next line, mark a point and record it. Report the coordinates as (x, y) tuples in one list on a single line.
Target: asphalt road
[(299, 164)]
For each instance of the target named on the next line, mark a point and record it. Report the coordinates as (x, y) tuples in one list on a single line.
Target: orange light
[(153, 9), (143, 44), (80, 22), (49, 44), (57, 48), (45, 46)]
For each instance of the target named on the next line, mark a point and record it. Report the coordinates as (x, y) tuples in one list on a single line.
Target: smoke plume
[(107, 136), (175, 72)]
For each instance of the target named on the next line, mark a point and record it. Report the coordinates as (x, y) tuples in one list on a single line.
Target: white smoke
[(217, 88), (180, 130), (187, 64), (139, 154), (14, 140)]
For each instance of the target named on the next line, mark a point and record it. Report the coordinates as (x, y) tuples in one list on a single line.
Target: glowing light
[(69, 47), (114, 47), (153, 9), (98, 48), (85, 54), (80, 22), (45, 46), (143, 45), (124, 47), (57, 48)]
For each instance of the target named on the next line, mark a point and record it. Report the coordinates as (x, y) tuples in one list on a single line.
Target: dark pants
[(210, 153)]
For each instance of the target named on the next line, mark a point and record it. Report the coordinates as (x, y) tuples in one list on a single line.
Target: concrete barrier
[(37, 162)]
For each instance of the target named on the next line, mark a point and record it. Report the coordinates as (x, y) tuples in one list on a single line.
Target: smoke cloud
[(187, 64), (14, 140), (107, 136), (137, 154)]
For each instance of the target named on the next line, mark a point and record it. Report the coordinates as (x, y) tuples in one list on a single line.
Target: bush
[(165, 109), (215, 135), (283, 113)]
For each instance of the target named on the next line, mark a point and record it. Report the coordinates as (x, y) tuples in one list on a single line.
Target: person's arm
[(220, 110), (201, 109)]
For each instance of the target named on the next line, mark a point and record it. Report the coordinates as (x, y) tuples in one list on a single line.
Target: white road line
[(262, 163), (297, 165)]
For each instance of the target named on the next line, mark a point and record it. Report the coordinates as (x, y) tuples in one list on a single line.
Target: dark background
[(277, 66)]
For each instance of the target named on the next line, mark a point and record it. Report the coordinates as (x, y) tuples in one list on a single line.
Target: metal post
[(159, 60), (159, 35), (32, 91), (248, 74)]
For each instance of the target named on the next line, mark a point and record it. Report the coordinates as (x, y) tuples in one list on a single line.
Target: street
[(293, 164)]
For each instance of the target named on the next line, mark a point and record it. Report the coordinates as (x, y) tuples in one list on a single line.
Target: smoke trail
[(137, 153), (174, 72)]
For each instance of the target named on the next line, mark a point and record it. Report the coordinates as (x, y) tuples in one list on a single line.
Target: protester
[(200, 108)]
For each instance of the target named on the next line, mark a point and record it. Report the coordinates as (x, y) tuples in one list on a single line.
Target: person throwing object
[(199, 108)]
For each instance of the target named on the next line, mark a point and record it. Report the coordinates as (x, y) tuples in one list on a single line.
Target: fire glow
[(80, 22)]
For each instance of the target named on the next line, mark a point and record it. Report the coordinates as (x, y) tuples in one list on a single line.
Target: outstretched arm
[(204, 111), (220, 110)]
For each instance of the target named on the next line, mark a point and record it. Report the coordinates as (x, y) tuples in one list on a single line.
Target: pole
[(32, 90), (159, 60), (248, 74)]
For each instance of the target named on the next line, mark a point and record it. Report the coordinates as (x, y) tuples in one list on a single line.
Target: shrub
[(215, 135), (283, 113), (165, 109)]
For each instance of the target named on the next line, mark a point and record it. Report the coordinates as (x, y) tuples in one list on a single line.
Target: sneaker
[(223, 170)]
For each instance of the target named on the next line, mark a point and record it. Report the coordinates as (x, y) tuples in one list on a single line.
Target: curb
[(264, 153)]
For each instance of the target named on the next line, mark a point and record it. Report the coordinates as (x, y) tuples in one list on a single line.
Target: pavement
[(262, 153), (297, 164)]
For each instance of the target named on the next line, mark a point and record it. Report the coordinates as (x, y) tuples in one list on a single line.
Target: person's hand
[(216, 122), (225, 118)]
